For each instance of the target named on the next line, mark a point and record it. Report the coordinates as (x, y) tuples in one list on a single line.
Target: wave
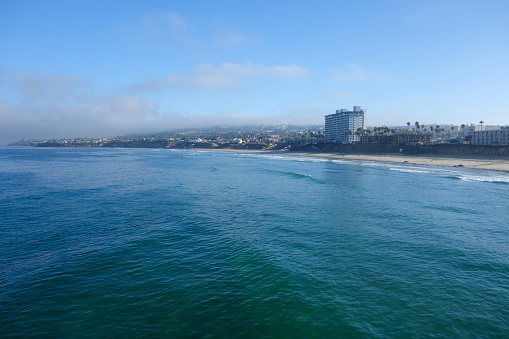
[(296, 175), (453, 209), (480, 178), (408, 170), (287, 157), (299, 175)]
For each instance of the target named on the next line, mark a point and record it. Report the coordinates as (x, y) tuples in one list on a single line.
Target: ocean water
[(186, 244)]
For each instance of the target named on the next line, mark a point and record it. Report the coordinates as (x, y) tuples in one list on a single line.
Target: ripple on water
[(100, 243)]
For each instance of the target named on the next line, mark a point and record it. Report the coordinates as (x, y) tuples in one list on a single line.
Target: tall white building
[(342, 125)]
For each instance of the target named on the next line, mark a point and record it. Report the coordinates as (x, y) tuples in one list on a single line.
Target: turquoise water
[(144, 243)]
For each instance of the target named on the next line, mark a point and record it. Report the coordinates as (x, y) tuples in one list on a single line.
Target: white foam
[(483, 178), (408, 170), (290, 157)]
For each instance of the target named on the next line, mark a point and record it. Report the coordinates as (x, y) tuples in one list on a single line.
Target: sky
[(105, 68)]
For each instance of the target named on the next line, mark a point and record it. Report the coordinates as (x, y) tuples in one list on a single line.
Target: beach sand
[(445, 161), (480, 163)]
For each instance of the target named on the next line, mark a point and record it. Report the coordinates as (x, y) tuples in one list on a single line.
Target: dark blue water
[(143, 243)]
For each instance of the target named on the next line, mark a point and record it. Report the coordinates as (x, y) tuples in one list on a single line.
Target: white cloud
[(353, 73), (53, 87), (119, 115), (226, 76), (288, 71), (163, 25), (101, 116), (175, 20), (63, 106), (58, 106)]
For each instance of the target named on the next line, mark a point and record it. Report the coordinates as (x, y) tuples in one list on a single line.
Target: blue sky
[(104, 68)]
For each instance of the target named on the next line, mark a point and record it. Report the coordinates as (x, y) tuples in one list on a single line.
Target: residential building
[(491, 137), (342, 125)]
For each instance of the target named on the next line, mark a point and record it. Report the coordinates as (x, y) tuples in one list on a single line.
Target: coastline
[(437, 160), (441, 160)]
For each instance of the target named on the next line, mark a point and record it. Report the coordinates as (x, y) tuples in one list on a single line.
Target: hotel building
[(342, 125), (491, 137)]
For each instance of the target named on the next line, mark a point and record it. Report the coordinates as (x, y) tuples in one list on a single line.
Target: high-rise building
[(342, 125)]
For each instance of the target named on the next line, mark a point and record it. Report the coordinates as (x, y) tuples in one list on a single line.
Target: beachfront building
[(491, 137), (468, 129), (342, 125)]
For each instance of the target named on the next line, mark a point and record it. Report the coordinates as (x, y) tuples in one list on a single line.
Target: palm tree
[(417, 125), (408, 124), (320, 135)]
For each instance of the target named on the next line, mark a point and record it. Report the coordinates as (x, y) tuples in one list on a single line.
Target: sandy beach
[(475, 163), (485, 164)]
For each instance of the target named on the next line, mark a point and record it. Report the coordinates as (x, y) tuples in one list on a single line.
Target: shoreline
[(441, 161), (476, 162)]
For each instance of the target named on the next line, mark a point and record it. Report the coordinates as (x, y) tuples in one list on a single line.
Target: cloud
[(60, 106), (175, 20), (224, 76), (49, 106), (100, 116), (119, 115), (36, 87), (355, 73), (161, 24)]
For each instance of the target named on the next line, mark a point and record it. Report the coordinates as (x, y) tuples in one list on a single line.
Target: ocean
[(194, 244)]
